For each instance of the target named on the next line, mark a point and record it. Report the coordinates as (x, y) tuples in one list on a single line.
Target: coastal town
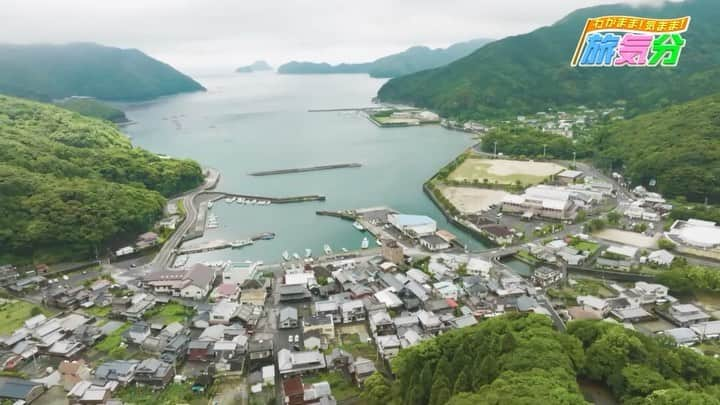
[(566, 241)]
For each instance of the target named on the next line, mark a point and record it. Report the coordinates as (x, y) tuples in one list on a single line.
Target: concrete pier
[(306, 169)]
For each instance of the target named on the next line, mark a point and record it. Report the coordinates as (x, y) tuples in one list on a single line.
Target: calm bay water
[(259, 121)]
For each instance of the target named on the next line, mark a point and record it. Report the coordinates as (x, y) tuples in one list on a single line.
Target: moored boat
[(365, 243), (327, 249), (358, 226)]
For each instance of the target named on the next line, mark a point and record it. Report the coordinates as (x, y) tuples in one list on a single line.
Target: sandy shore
[(472, 200), (628, 238)]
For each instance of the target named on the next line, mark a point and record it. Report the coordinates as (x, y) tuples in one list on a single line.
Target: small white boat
[(212, 225), (344, 250), (229, 200), (286, 255), (358, 226), (327, 249), (377, 242), (308, 252), (210, 205), (365, 243), (296, 256), (252, 202), (240, 200)]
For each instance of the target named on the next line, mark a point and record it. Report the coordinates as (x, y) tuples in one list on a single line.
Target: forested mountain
[(521, 359), (411, 60), (69, 183), (678, 146), (91, 107), (48, 72), (531, 72)]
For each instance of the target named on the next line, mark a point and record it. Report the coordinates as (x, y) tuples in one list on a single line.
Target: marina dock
[(217, 195), (306, 169)]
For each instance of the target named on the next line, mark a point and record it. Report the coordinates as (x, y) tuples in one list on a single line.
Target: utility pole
[(495, 150), (544, 149), (574, 165)]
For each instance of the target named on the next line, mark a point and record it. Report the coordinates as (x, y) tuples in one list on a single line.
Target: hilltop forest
[(521, 359), (70, 184)]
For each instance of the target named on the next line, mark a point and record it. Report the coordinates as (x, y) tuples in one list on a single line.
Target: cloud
[(194, 34)]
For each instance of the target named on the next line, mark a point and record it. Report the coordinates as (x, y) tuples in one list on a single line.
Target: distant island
[(52, 72), (409, 61), (257, 66), (91, 107)]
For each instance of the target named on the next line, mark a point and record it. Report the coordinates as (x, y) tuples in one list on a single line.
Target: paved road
[(161, 260)]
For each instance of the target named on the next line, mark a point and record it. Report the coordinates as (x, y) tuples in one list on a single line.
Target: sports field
[(470, 200), (504, 171)]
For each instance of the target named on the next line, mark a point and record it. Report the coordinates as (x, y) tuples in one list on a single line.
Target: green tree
[(463, 383), (440, 392), (376, 390)]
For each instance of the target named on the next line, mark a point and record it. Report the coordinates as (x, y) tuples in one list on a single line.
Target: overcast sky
[(197, 35)]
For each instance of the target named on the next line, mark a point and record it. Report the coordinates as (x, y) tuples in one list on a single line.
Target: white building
[(695, 233), (238, 273), (661, 257), (413, 225), (543, 201)]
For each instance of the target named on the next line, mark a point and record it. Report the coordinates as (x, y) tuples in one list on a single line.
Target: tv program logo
[(630, 41)]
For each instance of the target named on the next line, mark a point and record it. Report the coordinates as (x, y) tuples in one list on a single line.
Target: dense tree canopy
[(90, 107), (70, 183), (521, 359), (531, 72)]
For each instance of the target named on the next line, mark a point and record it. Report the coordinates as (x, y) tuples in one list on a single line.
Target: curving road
[(161, 260)]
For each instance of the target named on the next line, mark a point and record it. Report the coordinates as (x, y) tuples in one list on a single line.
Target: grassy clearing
[(586, 246), (583, 287), (503, 171), (168, 313), (173, 394), (100, 312), (111, 343), (14, 313), (342, 388), (353, 345)]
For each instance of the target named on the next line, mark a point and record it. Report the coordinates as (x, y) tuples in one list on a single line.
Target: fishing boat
[(344, 250), (229, 200), (240, 243), (327, 249), (296, 256), (240, 200), (286, 256), (358, 226), (210, 205), (265, 236), (308, 252), (181, 261), (365, 243), (377, 242)]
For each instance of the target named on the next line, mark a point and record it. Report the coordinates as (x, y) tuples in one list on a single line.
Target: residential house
[(201, 278), (294, 363), (225, 350), (137, 333), (429, 322), (223, 313), (388, 346), (293, 391), (361, 369), (324, 325), (225, 291), (288, 318), (154, 373), (328, 308), (291, 293), (199, 350), (121, 371), (139, 304), (433, 243), (685, 315), (682, 336), (392, 251), (352, 311), (260, 353), (381, 324), (707, 330), (18, 390), (463, 321), (593, 303), (546, 276), (446, 289), (72, 372)]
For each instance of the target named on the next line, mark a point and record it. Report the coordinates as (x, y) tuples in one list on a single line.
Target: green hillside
[(531, 72), (70, 183), (521, 359), (49, 72), (411, 60), (678, 146), (90, 107)]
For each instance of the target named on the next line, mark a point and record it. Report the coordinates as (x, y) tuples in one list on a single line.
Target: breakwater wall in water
[(305, 169)]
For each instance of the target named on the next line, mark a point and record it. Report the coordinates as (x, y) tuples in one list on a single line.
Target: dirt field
[(471, 200), (628, 238), (504, 171)]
